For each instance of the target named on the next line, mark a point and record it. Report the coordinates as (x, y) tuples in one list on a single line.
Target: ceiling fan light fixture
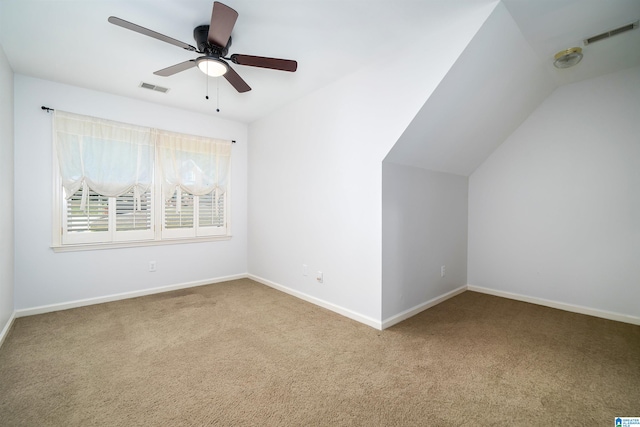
[(568, 58), (213, 67)]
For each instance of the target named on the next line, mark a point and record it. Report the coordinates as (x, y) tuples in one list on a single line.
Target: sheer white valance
[(110, 158), (193, 164)]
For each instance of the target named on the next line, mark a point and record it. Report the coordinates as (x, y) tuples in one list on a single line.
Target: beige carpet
[(240, 353)]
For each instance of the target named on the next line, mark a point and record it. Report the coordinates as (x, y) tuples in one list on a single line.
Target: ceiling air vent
[(154, 87), (611, 33)]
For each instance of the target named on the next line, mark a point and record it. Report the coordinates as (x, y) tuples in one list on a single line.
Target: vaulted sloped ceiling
[(506, 71), (553, 25), (493, 86)]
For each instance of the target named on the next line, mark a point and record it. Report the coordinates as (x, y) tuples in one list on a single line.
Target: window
[(193, 216), (122, 184), (106, 219)]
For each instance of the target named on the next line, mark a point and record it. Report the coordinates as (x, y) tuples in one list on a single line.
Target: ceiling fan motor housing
[(201, 34)]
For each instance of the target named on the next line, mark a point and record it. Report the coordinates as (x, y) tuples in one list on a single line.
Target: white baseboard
[(421, 307), (125, 295), (7, 328), (319, 302), (559, 305), (380, 325)]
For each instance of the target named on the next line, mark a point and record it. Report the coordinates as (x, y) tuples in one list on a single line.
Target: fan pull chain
[(207, 95), (218, 95)]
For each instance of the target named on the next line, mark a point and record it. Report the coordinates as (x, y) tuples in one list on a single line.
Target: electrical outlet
[(152, 266), (305, 270), (319, 277), (442, 271)]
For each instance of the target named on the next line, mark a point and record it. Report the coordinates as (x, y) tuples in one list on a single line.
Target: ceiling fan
[(213, 42)]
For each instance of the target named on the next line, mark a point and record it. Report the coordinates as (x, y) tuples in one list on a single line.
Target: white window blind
[(179, 211), (187, 215), (211, 210), (107, 219), (91, 218), (132, 215)]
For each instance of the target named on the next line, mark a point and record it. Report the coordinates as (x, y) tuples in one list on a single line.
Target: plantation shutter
[(211, 210), (93, 217), (183, 217), (132, 215)]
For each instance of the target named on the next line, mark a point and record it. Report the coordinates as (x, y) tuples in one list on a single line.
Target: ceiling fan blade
[(147, 32), (263, 62), (223, 18), (170, 71), (236, 81)]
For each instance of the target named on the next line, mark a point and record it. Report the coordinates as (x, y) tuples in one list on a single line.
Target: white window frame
[(112, 235), (158, 235), (192, 232)]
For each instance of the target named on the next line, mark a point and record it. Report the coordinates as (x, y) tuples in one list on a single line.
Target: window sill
[(119, 245)]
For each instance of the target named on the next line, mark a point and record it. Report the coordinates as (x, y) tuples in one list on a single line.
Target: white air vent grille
[(154, 87), (611, 33)]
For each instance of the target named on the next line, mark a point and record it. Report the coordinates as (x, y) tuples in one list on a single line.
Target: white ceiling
[(71, 42)]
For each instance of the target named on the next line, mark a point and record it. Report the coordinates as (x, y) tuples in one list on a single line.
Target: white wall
[(315, 172), (554, 213), (6, 189), (424, 226), (43, 277)]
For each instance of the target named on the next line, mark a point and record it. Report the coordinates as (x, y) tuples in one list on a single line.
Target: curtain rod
[(48, 110)]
